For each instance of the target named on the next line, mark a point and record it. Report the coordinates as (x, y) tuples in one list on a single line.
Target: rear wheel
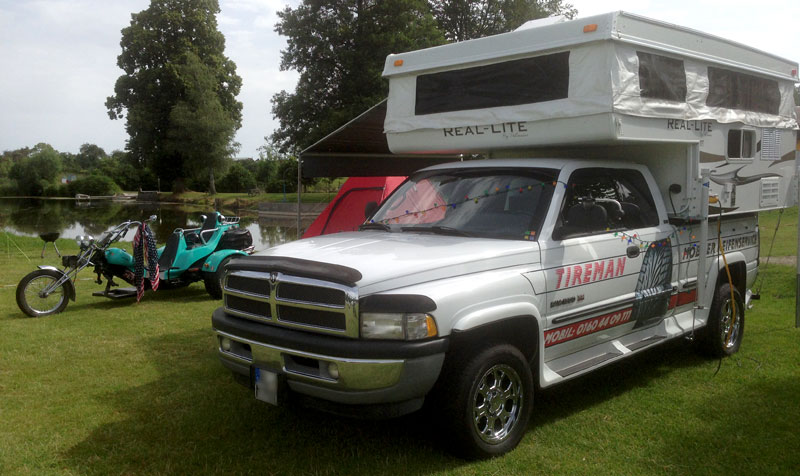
[(30, 294), (213, 281), (488, 403), (725, 329)]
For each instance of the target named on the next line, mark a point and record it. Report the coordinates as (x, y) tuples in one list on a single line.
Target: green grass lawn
[(114, 387), (784, 242)]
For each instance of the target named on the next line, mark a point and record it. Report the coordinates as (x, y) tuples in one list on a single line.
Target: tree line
[(42, 171)]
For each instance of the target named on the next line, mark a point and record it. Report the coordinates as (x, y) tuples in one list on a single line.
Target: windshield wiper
[(374, 226), (437, 229)]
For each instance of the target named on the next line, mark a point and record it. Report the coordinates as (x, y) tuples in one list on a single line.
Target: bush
[(94, 185), (237, 180), (56, 190)]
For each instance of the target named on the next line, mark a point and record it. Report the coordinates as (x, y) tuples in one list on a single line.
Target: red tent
[(346, 210)]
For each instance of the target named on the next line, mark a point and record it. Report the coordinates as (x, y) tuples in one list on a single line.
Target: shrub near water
[(94, 185)]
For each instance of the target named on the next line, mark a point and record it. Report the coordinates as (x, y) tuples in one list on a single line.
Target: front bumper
[(329, 368)]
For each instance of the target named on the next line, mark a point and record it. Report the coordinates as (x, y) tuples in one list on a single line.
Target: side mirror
[(369, 209)]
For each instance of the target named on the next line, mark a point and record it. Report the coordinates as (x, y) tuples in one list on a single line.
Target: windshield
[(487, 203)]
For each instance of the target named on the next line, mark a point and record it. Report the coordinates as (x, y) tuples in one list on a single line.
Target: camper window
[(661, 77), (511, 83), (741, 144), (745, 92)]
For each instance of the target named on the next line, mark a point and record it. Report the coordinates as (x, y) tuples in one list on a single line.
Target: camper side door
[(607, 263)]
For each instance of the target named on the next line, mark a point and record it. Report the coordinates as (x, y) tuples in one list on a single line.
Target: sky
[(58, 59)]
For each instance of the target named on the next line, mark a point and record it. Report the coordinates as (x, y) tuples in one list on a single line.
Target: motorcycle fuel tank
[(120, 257)]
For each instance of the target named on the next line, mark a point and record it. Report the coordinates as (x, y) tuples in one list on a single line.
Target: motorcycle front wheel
[(30, 299)]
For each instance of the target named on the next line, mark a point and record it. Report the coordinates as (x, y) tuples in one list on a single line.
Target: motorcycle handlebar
[(120, 230)]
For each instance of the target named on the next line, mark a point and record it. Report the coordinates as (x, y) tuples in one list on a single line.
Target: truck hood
[(390, 260)]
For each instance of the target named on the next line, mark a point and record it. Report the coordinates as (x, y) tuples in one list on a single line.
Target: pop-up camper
[(605, 83)]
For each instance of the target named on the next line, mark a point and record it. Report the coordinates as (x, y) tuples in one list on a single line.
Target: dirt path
[(782, 260)]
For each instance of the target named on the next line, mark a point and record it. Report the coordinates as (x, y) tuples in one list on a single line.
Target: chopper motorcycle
[(189, 255)]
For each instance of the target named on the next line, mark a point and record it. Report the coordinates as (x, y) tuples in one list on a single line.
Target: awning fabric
[(359, 149)]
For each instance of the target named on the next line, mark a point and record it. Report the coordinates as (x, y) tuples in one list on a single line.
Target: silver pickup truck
[(477, 283)]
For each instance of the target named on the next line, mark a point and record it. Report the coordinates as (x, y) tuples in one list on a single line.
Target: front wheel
[(725, 329), (489, 402), (31, 298)]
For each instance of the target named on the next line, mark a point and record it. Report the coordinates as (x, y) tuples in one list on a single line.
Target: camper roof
[(618, 26)]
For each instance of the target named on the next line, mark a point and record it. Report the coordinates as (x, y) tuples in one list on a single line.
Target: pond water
[(70, 218)]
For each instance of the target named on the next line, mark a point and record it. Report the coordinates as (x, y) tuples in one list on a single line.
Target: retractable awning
[(359, 148)]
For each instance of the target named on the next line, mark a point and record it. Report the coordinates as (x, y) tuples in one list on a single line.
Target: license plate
[(266, 384)]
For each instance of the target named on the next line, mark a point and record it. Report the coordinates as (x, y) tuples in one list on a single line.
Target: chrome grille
[(298, 292), (249, 285), (292, 301), (257, 309)]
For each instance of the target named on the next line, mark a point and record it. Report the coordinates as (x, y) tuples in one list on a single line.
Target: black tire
[(724, 332), (213, 281), (32, 303), (487, 402)]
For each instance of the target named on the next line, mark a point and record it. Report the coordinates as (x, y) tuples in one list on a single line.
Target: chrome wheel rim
[(730, 324), (34, 295), (497, 403)]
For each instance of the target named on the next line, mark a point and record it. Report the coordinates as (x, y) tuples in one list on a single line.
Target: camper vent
[(770, 192), (770, 144)]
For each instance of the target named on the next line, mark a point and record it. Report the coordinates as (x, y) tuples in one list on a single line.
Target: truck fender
[(737, 263), (491, 314), (515, 323), (68, 286), (214, 259)]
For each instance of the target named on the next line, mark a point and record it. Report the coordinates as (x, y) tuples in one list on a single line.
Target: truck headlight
[(399, 326)]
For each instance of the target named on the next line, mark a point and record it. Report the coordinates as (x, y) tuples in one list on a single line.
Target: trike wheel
[(30, 298), (213, 281)]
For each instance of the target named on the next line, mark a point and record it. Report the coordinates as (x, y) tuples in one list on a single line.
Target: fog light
[(333, 370), (225, 343)]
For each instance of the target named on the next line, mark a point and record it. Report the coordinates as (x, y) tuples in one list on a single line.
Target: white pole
[(299, 164), (702, 260), (797, 277)]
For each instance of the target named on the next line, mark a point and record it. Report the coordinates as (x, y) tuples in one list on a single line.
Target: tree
[(173, 59), (89, 156), (35, 173), (339, 48), (201, 130), (461, 20)]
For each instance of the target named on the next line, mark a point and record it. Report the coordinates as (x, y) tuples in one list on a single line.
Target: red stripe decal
[(589, 326), (687, 297)]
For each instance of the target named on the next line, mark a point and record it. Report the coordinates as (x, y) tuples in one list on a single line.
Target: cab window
[(600, 200)]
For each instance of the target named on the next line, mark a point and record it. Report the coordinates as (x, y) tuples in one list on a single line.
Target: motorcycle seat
[(170, 250), (210, 225)]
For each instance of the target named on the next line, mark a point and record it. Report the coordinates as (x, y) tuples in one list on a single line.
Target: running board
[(645, 342), (586, 364), (610, 350)]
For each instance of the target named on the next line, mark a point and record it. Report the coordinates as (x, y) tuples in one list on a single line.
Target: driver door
[(598, 263)]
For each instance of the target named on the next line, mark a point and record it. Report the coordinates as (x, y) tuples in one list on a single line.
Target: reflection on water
[(71, 218)]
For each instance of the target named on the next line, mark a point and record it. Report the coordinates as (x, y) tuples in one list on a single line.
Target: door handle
[(633, 251)]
